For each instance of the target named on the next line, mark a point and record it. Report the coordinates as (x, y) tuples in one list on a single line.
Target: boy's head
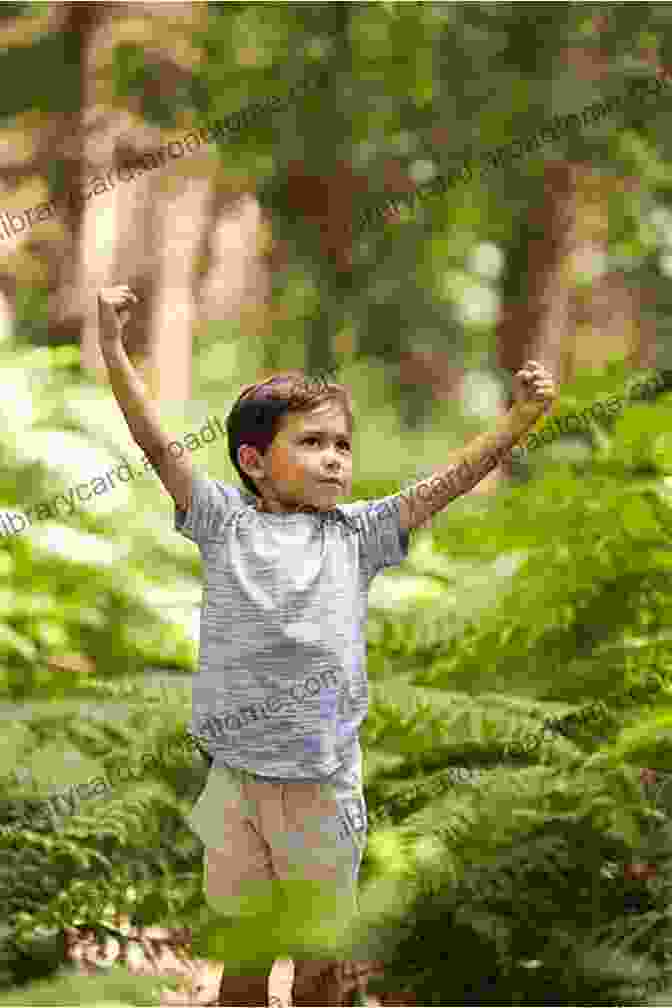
[(286, 439)]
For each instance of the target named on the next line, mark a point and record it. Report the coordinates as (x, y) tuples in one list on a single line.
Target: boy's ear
[(248, 455)]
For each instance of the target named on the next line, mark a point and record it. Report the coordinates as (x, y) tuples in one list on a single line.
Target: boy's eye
[(312, 437)]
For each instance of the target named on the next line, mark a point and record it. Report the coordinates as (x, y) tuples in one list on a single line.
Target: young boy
[(281, 690)]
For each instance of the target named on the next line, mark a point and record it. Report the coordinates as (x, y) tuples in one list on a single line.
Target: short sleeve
[(210, 506), (382, 542)]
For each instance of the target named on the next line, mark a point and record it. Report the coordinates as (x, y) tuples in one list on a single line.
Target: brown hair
[(256, 416)]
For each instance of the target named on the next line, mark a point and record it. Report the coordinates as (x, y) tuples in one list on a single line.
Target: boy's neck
[(261, 505)]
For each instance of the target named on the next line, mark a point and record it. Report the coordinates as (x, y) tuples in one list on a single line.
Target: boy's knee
[(216, 901)]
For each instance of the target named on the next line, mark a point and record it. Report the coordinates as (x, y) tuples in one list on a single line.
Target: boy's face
[(308, 449)]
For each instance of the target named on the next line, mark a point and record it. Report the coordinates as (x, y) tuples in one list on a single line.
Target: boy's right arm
[(142, 416)]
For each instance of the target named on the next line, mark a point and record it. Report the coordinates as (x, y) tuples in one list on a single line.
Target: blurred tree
[(111, 107), (372, 101), (567, 298)]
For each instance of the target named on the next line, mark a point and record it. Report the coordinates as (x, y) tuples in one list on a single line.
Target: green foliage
[(524, 859), (41, 60), (117, 988), (403, 99), (545, 601), (75, 594), (551, 597), (129, 852)]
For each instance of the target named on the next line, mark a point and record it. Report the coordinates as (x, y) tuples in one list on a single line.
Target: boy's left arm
[(534, 392)]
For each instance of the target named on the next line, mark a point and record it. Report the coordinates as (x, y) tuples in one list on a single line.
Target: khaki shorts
[(279, 847)]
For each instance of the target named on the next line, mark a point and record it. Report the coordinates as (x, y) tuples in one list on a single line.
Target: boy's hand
[(114, 311), (533, 391)]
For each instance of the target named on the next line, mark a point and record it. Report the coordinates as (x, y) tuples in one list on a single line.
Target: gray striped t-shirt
[(281, 688)]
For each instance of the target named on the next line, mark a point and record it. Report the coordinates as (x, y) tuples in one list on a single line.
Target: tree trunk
[(67, 134), (562, 321), (169, 349)]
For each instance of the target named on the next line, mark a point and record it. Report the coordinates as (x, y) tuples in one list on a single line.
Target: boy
[(282, 689)]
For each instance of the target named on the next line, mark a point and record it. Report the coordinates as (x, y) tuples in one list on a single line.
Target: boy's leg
[(315, 855), (237, 873), (317, 834), (280, 983), (258, 831)]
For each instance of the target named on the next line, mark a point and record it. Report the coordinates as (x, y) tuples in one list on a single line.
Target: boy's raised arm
[(142, 416), (534, 394)]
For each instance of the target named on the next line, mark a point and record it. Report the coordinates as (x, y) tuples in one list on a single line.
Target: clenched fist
[(114, 311), (534, 391)]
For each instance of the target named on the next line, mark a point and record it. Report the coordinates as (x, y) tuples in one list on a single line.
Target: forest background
[(544, 591)]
